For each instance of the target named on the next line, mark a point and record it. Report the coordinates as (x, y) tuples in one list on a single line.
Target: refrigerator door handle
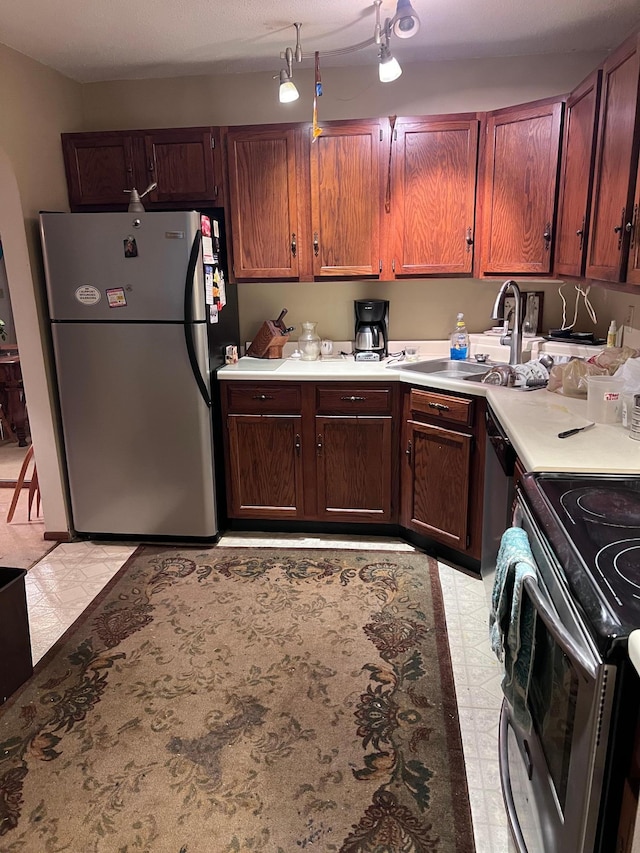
[(188, 317)]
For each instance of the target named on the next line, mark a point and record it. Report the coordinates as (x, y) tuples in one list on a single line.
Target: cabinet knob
[(297, 444), (262, 397), (618, 229), (294, 245), (439, 406), (633, 226), (316, 244), (408, 451), (469, 239), (353, 399), (319, 445), (546, 236)]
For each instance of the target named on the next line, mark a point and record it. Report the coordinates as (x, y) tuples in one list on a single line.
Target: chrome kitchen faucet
[(514, 338)]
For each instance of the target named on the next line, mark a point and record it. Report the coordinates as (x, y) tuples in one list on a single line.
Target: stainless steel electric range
[(563, 778)]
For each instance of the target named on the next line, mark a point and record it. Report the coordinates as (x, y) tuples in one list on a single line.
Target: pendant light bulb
[(405, 22), (389, 68), (288, 91)]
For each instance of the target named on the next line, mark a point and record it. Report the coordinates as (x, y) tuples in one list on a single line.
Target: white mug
[(326, 348)]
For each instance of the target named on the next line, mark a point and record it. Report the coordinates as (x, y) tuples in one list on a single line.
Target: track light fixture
[(404, 24), (389, 68), (287, 91)]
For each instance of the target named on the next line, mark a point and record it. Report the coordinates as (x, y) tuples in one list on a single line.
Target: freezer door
[(121, 266), (137, 431)]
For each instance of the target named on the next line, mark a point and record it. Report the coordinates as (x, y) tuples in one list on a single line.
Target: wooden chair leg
[(20, 483), (34, 491)]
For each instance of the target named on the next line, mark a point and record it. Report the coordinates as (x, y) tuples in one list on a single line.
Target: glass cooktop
[(593, 525)]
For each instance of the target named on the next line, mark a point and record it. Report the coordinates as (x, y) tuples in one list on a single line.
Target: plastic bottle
[(611, 334), (459, 340)]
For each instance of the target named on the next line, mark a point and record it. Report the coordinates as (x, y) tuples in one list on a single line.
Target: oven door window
[(552, 701)]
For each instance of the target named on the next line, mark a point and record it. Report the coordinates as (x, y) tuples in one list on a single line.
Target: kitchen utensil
[(501, 374), (546, 360), (573, 431), (279, 322)]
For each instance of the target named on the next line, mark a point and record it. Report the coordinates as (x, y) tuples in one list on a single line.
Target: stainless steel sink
[(450, 368)]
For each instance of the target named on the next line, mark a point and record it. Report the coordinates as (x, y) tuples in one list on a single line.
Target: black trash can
[(16, 664)]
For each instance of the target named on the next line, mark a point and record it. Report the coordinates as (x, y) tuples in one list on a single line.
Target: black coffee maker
[(371, 340)]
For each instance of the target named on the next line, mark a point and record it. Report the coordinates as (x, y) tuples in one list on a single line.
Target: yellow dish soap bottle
[(459, 348)]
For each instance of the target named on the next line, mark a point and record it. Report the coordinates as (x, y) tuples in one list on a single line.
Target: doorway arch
[(33, 354)]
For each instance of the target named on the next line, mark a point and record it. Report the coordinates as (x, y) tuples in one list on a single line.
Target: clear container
[(309, 342), (604, 399)]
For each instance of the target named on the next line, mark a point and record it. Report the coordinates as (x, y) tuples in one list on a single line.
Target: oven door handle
[(505, 781), (559, 632)]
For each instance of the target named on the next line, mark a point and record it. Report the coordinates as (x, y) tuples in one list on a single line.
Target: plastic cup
[(411, 353), (604, 399)]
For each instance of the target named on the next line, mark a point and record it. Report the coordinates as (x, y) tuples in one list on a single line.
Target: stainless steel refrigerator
[(132, 329)]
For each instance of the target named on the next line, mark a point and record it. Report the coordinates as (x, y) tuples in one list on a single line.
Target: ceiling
[(96, 40)]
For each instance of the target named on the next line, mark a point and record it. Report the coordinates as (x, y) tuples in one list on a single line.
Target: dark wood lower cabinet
[(341, 452), (353, 470), (442, 476), (311, 451), (265, 467), (438, 500)]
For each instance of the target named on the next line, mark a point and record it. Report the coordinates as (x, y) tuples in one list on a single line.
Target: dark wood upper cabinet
[(615, 168), (432, 195), (99, 168), (576, 178), (183, 163), (264, 189), (346, 180), (521, 174)]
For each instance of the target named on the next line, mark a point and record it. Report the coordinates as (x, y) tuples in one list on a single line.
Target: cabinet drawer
[(250, 399), (442, 406), (353, 400)]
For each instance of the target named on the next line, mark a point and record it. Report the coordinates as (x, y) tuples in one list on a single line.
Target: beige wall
[(36, 104), (419, 309), (424, 88)]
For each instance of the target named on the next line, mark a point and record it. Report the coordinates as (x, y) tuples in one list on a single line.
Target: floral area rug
[(232, 699)]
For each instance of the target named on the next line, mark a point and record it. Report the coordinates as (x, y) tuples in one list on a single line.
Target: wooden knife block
[(268, 341)]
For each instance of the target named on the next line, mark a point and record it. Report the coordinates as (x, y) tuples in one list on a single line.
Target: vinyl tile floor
[(66, 580)]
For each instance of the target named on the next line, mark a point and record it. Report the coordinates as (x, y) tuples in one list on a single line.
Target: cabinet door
[(520, 186), (263, 185), (99, 167), (616, 160), (181, 161), (433, 196), (354, 468), (264, 466), (576, 179), (345, 199), (436, 483), (633, 268)]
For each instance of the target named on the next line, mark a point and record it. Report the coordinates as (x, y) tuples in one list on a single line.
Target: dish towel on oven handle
[(512, 620)]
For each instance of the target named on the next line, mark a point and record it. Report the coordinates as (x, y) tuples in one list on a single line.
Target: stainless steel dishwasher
[(498, 495)]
